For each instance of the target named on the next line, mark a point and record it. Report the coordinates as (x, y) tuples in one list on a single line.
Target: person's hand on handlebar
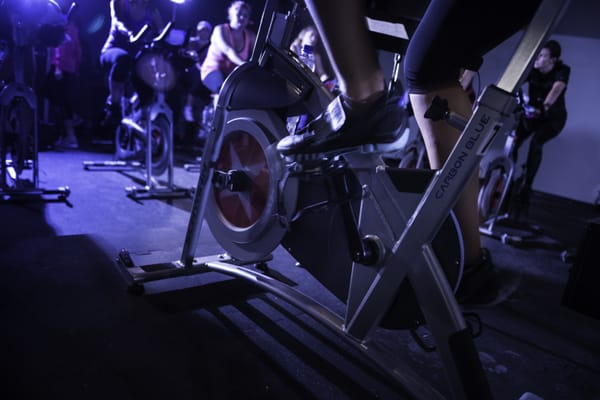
[(531, 112)]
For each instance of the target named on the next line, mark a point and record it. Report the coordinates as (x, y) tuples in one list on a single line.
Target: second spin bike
[(144, 137), (381, 239), (40, 24), (498, 200)]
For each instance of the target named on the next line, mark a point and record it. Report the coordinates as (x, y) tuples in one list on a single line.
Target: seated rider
[(230, 45), (196, 49), (128, 17), (546, 115), (451, 36), (309, 36)]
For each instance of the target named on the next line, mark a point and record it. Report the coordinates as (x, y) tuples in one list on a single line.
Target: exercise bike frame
[(406, 251), (504, 165), (497, 221), (141, 121), (11, 95)]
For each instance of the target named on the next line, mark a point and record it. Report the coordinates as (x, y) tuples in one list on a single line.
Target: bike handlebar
[(135, 38)]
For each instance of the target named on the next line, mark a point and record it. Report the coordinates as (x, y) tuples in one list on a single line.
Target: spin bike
[(497, 201), (144, 137), (383, 240), (498, 180), (19, 169)]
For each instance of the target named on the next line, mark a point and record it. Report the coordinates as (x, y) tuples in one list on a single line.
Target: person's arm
[(219, 40), (116, 16), (557, 88)]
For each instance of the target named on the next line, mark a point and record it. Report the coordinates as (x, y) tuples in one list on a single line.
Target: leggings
[(455, 34), (59, 92), (542, 130), (119, 63), (120, 66), (214, 80)]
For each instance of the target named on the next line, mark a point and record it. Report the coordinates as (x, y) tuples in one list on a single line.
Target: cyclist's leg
[(453, 35), (545, 132), (213, 81), (120, 63)]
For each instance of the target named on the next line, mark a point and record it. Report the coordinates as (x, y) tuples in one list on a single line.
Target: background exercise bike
[(40, 25), (498, 202), (144, 137), (363, 230)]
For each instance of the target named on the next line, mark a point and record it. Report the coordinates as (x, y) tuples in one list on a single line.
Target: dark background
[(580, 20), (94, 21)]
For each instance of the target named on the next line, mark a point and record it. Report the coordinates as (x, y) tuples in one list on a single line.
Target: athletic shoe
[(346, 124), (480, 283)]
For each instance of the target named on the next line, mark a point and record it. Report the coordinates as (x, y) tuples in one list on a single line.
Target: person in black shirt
[(546, 113), (128, 17)]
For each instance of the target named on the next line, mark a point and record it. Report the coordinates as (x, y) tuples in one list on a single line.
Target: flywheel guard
[(243, 208)]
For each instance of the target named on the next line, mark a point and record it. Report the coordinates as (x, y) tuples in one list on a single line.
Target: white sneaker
[(188, 113)]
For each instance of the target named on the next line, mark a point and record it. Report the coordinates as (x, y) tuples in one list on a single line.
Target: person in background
[(230, 45), (545, 115), (128, 17), (65, 62), (310, 36), (196, 49), (200, 40)]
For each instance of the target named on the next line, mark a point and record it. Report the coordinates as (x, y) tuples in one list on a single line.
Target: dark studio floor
[(70, 330)]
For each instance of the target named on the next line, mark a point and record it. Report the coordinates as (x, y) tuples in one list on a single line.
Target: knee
[(426, 76), (213, 81)]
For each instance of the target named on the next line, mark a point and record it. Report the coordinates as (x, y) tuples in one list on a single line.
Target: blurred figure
[(64, 69), (545, 115), (230, 45), (196, 50), (200, 40), (128, 17), (310, 37)]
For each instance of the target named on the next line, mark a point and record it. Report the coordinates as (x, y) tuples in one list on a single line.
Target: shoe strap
[(330, 121)]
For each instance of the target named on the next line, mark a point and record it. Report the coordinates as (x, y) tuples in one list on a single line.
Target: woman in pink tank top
[(231, 45)]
